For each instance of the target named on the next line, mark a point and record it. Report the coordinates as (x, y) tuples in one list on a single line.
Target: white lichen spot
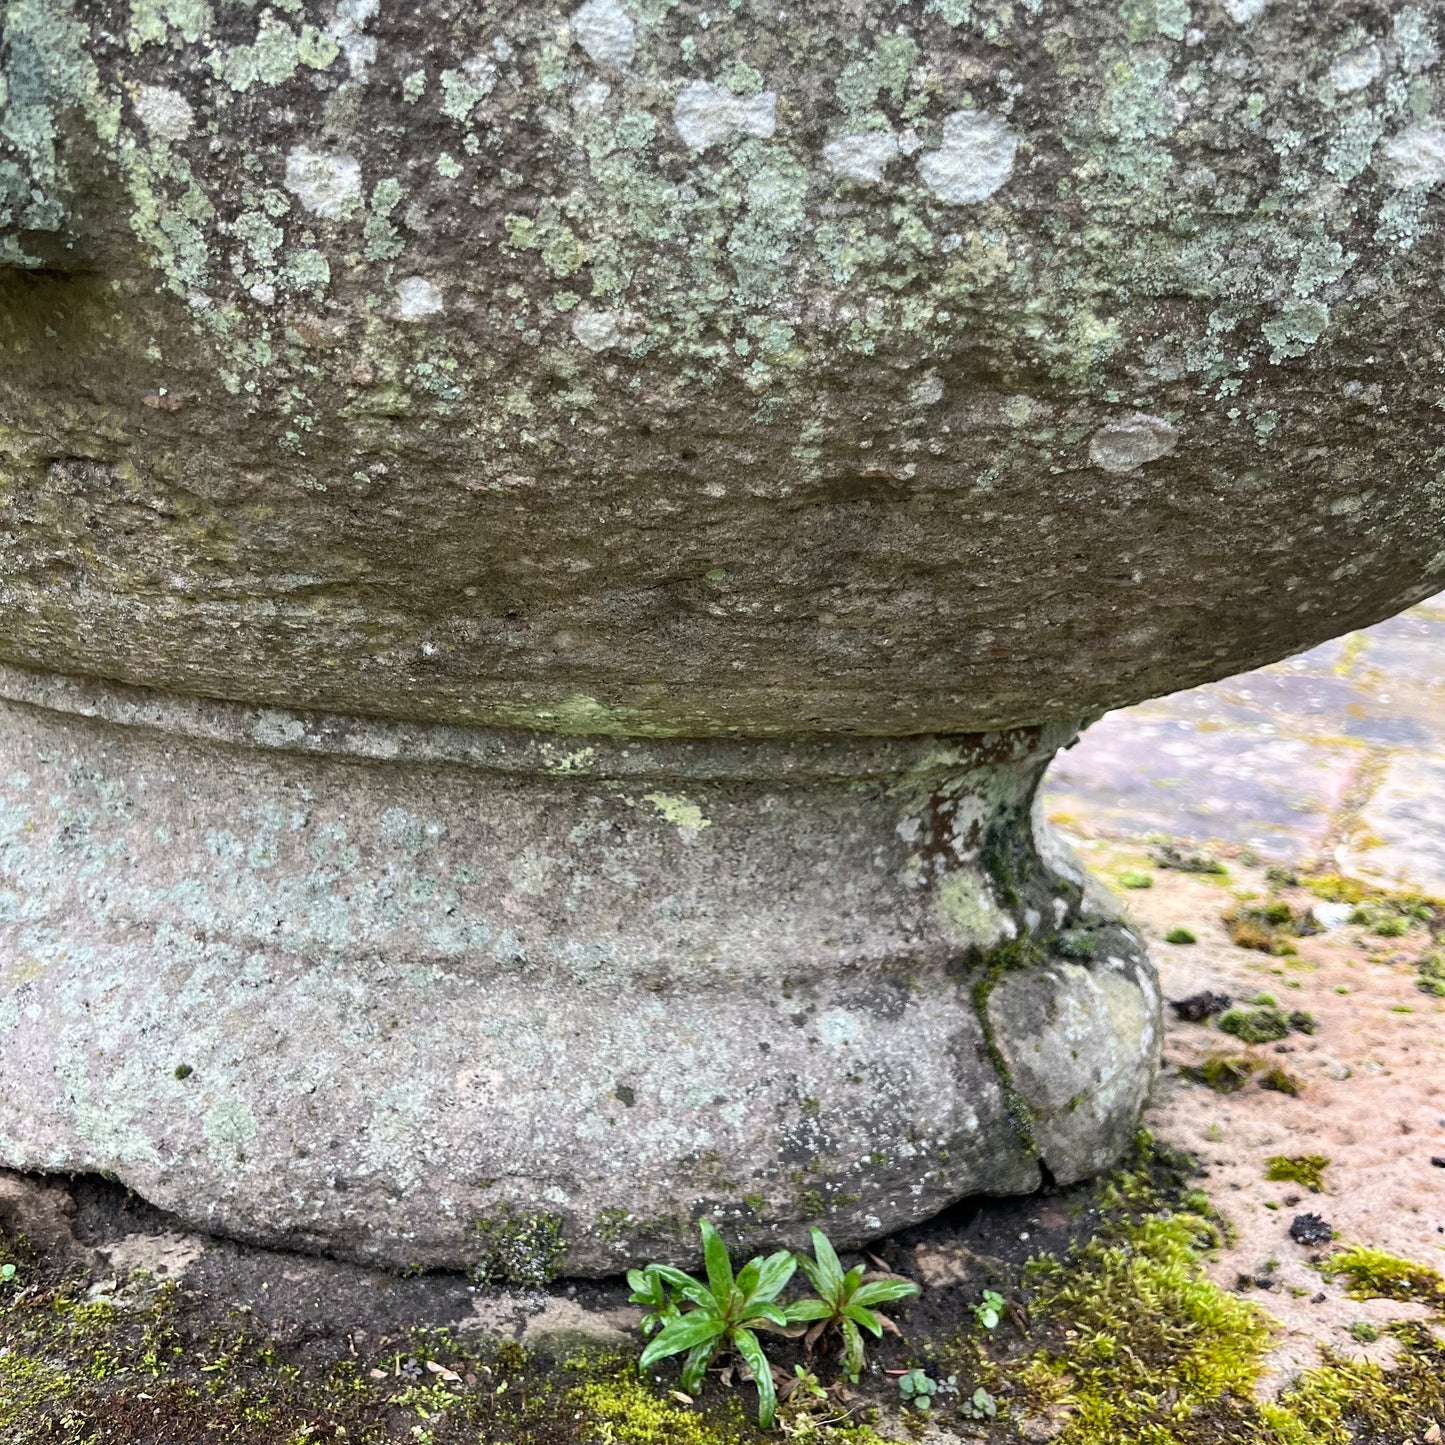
[(346, 29), (1415, 36), (418, 300), (1243, 11), (1126, 445), (326, 184), (928, 391), (605, 31), (593, 96), (975, 159), (1357, 69), (861, 158), (166, 114), (706, 115), (1416, 157), (838, 1028), (596, 330)]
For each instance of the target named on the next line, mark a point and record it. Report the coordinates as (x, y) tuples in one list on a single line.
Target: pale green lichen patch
[(153, 22), (273, 57), (679, 811)]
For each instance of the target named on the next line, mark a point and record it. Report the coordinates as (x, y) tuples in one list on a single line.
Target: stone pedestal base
[(439, 997)]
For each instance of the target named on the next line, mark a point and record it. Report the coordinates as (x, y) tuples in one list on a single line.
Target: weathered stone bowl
[(546, 550)]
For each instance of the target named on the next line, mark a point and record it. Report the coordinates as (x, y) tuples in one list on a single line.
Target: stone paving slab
[(1400, 838), (1334, 758), (1132, 777)]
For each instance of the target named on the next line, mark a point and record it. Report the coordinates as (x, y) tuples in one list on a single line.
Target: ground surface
[(1175, 1318), (1335, 757)]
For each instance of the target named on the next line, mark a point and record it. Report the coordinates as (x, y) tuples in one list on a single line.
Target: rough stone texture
[(646, 366), (432, 1013), (635, 368)]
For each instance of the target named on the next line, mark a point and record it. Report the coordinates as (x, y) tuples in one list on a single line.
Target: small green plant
[(1133, 878), (917, 1388), (1305, 1169), (845, 1301), (990, 1310), (981, 1405), (727, 1311), (1180, 935), (806, 1385), (7, 1273), (1365, 1332), (649, 1290)]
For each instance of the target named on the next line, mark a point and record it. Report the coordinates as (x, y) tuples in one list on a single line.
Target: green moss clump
[(1281, 1081), (1390, 915), (1431, 978), (1304, 1169), (1154, 1344), (1303, 1022), (1345, 1401), (1373, 1274), (1077, 943), (1180, 935), (1336, 888), (1255, 1025), (1267, 927), (1145, 1350), (518, 1249), (1134, 878), (630, 1413), (1224, 1073)]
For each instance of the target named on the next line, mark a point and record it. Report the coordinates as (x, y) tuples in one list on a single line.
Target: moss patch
[(1280, 1081), (1128, 1343), (1224, 1073), (518, 1249), (1307, 1170), (1255, 1025), (1373, 1274)]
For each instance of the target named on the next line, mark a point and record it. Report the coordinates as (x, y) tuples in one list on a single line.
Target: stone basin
[(547, 548)]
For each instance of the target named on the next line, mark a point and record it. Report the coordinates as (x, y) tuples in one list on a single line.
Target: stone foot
[(525, 1004)]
